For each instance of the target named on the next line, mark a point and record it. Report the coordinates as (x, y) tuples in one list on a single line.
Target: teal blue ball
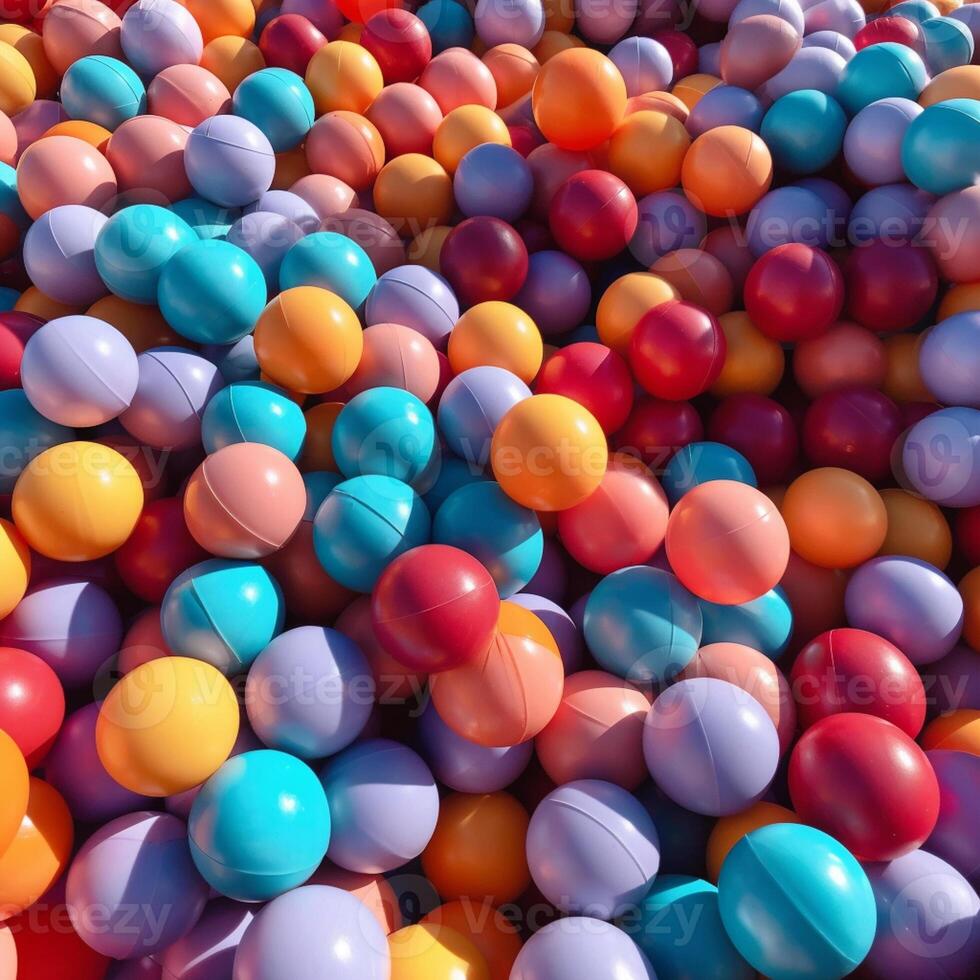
[(881, 71), (703, 462), (804, 131), (278, 102), (209, 220), (102, 90), (765, 624), (941, 149), (330, 261), (253, 411), (24, 434)]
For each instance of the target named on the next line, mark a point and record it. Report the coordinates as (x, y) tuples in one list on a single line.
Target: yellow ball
[(623, 304), (433, 952), (15, 567), (343, 75), (497, 334), (77, 501), (167, 726), (465, 128), (18, 86), (30, 44)]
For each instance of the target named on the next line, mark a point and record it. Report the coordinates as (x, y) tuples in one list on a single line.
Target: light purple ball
[(667, 221), (267, 237), (710, 746), (175, 386), (725, 105), (941, 457), (556, 294), (928, 920), (909, 602), (509, 22), (561, 626), (133, 889), (894, 212), (955, 837), (310, 933), (832, 41), (207, 952), (788, 10), (954, 681), (709, 59), (644, 63), (417, 298), (309, 692), (322, 14), (592, 848), (810, 68), (969, 14), (845, 17), (71, 624), (604, 21), (788, 214), (159, 33), (581, 949), (288, 205), (835, 199), (873, 141), (59, 254), (949, 359), (229, 161)]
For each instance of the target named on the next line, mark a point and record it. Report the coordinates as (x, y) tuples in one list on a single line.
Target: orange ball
[(426, 247), (33, 301), (699, 277), (835, 518), (143, 326), (15, 571), (318, 447), (497, 334), (916, 528), (970, 590), (477, 850), (728, 831), (413, 192), (726, 171), (434, 952), (727, 542), (309, 340), (30, 45), (231, 59), (647, 150), (493, 934), (373, 890), (693, 88), (82, 129), (624, 303), (903, 381), (659, 102), (291, 166), (15, 780), (754, 363), (559, 15), (958, 731), (961, 82), (220, 18), (63, 170), (515, 620), (578, 99), (845, 355), (964, 297), (346, 146), (554, 43), (463, 129), (343, 75), (514, 70)]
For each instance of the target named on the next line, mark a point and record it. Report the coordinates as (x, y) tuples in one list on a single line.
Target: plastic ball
[(15, 562), (484, 240), (955, 732), (593, 215), (951, 839), (493, 180), (433, 950), (916, 528), (396, 356), (414, 192), (514, 69), (207, 219), (15, 330), (231, 59), (873, 142), (400, 44), (15, 774), (954, 258), (642, 132), (330, 262), (59, 254), (252, 411), (757, 48), (889, 287), (342, 75), (278, 103), (843, 356), (759, 428), (726, 105), (229, 160), (938, 457), (211, 944), (764, 624), (644, 63), (703, 462), (945, 359), (218, 18), (102, 90), (726, 171), (45, 167), (187, 94), (346, 146), (577, 948), (159, 33), (289, 41), (881, 71)]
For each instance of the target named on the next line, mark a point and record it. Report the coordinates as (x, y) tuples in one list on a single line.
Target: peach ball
[(60, 170), (413, 192), (457, 77), (407, 118), (463, 129), (147, 153), (327, 195), (843, 356), (726, 171), (514, 70), (347, 146), (74, 29), (699, 277), (342, 75), (187, 94)]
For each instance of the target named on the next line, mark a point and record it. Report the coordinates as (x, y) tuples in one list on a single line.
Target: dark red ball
[(677, 350), (400, 44), (682, 50), (484, 259), (16, 329), (890, 286), (593, 215), (968, 533), (864, 781), (32, 703), (898, 30), (762, 430), (290, 41), (594, 376), (794, 292), (656, 429)]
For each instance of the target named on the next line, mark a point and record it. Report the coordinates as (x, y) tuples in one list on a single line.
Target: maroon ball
[(657, 429), (890, 286), (761, 430), (593, 215), (898, 30), (967, 532), (682, 50), (16, 329), (400, 44), (853, 428), (289, 41), (794, 292), (484, 259)]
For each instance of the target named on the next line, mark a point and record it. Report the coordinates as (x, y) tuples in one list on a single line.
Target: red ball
[(435, 608), (656, 429), (32, 703), (677, 350), (761, 430), (484, 259), (968, 533), (593, 215), (594, 376), (890, 286), (400, 44), (16, 329), (682, 50), (849, 670), (158, 550), (865, 782), (853, 428), (898, 30), (290, 41), (794, 292)]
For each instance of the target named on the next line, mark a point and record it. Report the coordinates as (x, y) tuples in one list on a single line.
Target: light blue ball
[(24, 434), (642, 624), (449, 24), (364, 524), (494, 180), (212, 292), (881, 71), (804, 131), (253, 411), (208, 220), (133, 247), (259, 826), (765, 624), (387, 431), (222, 612), (279, 103), (918, 11), (501, 534), (792, 887), (948, 44), (330, 261), (102, 90), (785, 215), (941, 149), (702, 462)]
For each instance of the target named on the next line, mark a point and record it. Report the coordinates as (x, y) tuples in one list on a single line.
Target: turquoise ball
[(102, 90), (881, 71), (330, 261), (804, 131), (941, 149), (209, 220), (253, 411), (24, 434), (278, 102), (765, 624), (703, 462)]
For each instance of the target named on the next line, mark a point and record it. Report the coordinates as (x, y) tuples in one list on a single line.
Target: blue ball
[(683, 833), (279, 103), (364, 524), (725, 105), (804, 131), (133, 247), (449, 24), (765, 624), (792, 887), (259, 826), (642, 624), (102, 90), (222, 612), (212, 292), (494, 180), (948, 44), (702, 462), (785, 215), (8, 298), (501, 534), (453, 474), (24, 434), (881, 71), (387, 431), (318, 484), (941, 149), (330, 261), (253, 411), (896, 212), (209, 220)]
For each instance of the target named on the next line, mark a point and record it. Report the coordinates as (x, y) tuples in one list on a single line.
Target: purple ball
[(560, 624), (667, 221), (207, 952), (809, 68), (709, 59), (159, 33), (175, 386), (949, 359), (493, 180), (267, 237), (835, 199), (313, 932), (726, 105), (788, 214), (592, 847), (551, 578), (556, 294), (909, 602), (928, 920), (71, 624), (788, 10), (133, 889), (955, 837), (644, 63), (322, 14), (229, 161), (969, 14), (287, 205), (509, 22), (710, 746), (59, 254), (954, 681), (832, 41), (873, 141), (941, 457), (581, 949), (309, 692), (417, 298), (893, 212), (843, 16)]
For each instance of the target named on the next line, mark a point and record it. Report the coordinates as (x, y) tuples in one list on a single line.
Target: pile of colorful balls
[(489, 490)]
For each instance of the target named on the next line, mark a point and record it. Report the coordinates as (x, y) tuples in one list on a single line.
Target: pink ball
[(457, 77), (375, 235), (187, 94), (953, 231), (396, 356), (327, 195), (407, 118), (147, 153), (74, 29), (604, 21), (757, 48), (8, 141), (32, 123), (346, 146)]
